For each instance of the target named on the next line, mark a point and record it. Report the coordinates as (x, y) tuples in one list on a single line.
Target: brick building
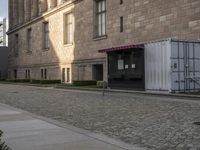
[(61, 39)]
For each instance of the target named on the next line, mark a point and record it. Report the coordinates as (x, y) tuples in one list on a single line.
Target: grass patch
[(18, 80), (78, 86), (46, 81), (197, 93), (32, 81), (84, 82)]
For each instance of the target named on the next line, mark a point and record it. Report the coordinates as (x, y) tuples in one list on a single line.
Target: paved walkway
[(146, 121), (25, 131)]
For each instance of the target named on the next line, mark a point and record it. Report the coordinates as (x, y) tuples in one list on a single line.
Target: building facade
[(61, 39), (3, 29)]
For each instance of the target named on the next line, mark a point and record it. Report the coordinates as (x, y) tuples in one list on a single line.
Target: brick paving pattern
[(155, 123)]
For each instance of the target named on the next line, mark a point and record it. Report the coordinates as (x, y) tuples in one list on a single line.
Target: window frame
[(98, 14), (27, 74), (42, 73), (29, 40), (66, 28), (68, 75), (46, 38), (45, 73), (16, 46), (121, 24)]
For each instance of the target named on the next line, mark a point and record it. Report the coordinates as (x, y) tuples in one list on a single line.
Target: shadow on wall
[(88, 63), (67, 56), (42, 53)]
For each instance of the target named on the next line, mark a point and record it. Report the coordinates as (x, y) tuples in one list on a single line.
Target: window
[(45, 35), (101, 17), (15, 74), (29, 39), (68, 29), (121, 24), (63, 75), (27, 74), (68, 74), (16, 44), (43, 73)]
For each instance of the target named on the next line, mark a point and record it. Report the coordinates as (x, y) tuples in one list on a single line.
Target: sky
[(3, 9)]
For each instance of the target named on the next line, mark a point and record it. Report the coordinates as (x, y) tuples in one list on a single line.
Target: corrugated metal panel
[(158, 66), (172, 65), (185, 66)]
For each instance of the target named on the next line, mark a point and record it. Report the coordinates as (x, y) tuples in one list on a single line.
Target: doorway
[(126, 69), (15, 74), (97, 72), (66, 75)]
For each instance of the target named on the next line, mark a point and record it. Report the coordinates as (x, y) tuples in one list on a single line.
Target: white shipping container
[(172, 65)]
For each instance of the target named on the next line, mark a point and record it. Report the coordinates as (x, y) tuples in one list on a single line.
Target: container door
[(185, 66), (178, 66)]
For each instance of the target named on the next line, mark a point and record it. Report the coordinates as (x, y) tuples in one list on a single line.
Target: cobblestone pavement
[(145, 121)]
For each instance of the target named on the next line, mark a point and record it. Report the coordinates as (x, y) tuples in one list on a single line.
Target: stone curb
[(195, 97), (180, 96)]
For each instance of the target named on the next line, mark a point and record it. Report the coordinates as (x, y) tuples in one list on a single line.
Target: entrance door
[(126, 69), (185, 68)]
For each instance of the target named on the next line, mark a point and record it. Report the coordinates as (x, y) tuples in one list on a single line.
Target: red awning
[(139, 46)]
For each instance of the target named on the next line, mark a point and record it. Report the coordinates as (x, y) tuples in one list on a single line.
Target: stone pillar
[(15, 12), (34, 8), (27, 10), (21, 11), (10, 3), (42, 6)]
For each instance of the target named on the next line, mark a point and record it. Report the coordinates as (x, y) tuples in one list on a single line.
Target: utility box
[(172, 65)]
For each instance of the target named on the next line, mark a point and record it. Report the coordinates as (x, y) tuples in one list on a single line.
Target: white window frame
[(100, 18), (29, 39), (68, 28), (46, 35)]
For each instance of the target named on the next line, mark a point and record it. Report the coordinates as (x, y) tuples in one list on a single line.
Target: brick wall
[(144, 20)]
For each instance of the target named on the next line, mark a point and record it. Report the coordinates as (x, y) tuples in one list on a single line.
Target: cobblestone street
[(155, 123)]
